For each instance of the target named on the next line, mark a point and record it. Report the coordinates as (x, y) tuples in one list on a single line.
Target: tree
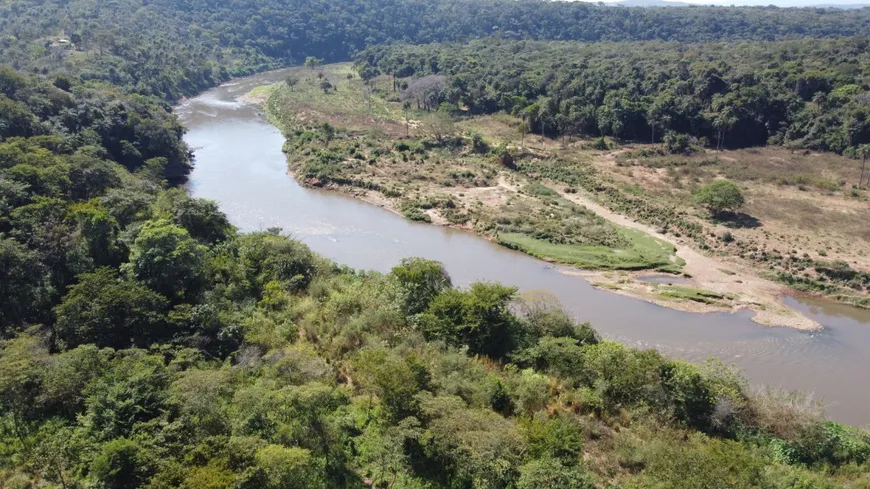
[(688, 393), (440, 124), (395, 380), (723, 117), (427, 91), (201, 218), (110, 312), (21, 285), (165, 258), (289, 468), (422, 280), (405, 106), (291, 82), (132, 390), (119, 465), (313, 62), (478, 318), (720, 196)]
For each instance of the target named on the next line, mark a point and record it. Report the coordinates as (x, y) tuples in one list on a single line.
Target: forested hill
[(175, 48), (801, 93)]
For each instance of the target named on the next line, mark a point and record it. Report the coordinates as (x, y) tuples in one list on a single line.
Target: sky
[(779, 3)]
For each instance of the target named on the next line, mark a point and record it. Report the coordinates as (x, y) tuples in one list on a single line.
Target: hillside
[(202, 42)]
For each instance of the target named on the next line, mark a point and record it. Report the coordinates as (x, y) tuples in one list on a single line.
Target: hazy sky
[(780, 3)]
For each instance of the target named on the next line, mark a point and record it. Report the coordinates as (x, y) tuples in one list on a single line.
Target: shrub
[(550, 473), (720, 196)]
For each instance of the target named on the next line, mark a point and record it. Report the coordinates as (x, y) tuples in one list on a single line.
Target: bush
[(548, 473), (720, 196), (692, 400)]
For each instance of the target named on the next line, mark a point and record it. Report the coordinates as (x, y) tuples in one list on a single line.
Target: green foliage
[(655, 91), (289, 468), (624, 376), (699, 462), (395, 380), (21, 285), (110, 312), (166, 259), (477, 318), (719, 196), (119, 465), (553, 474), (556, 438), (422, 280), (689, 394), (201, 218)]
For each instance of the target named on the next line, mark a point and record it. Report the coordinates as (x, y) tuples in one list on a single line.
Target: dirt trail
[(753, 292)]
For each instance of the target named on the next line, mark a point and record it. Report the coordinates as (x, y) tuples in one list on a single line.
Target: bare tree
[(405, 106), (427, 92), (440, 125)]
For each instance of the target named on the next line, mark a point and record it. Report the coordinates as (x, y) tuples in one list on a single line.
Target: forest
[(798, 94), (202, 42), (146, 343)]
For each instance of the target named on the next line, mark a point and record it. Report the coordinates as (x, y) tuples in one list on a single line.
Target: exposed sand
[(753, 292)]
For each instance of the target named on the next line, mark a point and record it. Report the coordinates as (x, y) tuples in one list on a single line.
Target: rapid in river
[(240, 165)]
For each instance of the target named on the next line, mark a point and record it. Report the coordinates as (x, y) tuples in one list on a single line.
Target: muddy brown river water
[(240, 165)]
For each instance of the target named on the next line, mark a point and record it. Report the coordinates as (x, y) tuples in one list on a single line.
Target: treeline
[(177, 48), (807, 94)]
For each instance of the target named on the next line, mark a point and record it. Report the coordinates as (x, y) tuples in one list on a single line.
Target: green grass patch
[(262, 92), (693, 294), (645, 252), (538, 190)]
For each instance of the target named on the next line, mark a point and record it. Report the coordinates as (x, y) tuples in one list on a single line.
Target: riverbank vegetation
[(532, 192), (357, 136), (691, 102)]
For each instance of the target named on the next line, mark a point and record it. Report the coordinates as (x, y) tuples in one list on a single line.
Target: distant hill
[(649, 3)]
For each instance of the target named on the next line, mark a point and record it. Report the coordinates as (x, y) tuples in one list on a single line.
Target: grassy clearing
[(824, 172), (348, 104)]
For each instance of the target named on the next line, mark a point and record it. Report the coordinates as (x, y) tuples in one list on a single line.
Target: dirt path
[(753, 292)]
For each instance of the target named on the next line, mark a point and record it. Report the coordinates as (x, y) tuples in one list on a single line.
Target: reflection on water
[(239, 164)]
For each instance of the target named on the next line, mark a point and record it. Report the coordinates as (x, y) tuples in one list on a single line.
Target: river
[(240, 165)]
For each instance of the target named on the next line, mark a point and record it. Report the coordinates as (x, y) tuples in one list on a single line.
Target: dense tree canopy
[(809, 94), (202, 42)]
